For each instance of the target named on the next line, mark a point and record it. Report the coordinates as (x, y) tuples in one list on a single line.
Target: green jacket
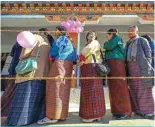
[(114, 48)]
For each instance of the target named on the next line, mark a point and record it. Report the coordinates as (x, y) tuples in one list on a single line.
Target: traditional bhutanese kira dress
[(7, 97), (118, 88), (58, 90), (92, 102), (28, 104), (139, 64)]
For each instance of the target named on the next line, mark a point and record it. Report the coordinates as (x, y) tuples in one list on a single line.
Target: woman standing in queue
[(92, 102), (7, 97), (28, 102), (63, 55), (118, 88)]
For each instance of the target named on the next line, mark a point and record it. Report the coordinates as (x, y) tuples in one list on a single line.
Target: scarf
[(132, 49)]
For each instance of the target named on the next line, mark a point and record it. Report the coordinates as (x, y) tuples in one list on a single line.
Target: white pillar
[(78, 53)]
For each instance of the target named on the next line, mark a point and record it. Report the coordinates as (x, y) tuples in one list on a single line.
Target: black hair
[(90, 33), (44, 30), (146, 36), (49, 37), (136, 27), (112, 31), (63, 30)]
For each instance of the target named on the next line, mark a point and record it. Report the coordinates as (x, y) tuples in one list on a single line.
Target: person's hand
[(80, 63)]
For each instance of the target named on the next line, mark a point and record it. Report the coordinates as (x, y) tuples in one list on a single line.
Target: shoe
[(149, 116), (121, 117), (90, 120), (63, 119), (116, 115), (46, 121), (139, 114)]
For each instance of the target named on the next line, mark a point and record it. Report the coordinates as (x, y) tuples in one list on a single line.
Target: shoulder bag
[(101, 68), (28, 64)]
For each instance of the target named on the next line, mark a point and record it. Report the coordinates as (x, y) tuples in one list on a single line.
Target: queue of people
[(47, 101)]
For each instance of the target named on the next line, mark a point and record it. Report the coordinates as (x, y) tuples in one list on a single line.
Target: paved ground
[(107, 120)]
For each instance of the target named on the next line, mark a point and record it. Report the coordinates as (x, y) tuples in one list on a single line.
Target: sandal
[(91, 120), (46, 121)]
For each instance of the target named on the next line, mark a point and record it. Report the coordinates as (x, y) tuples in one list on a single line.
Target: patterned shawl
[(132, 49)]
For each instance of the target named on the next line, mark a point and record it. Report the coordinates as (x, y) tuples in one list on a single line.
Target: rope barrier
[(36, 31), (47, 78), (44, 78)]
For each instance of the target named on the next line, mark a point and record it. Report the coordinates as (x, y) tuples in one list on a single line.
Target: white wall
[(119, 19)]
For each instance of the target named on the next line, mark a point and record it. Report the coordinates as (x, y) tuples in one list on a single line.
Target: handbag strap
[(102, 56), (94, 58), (37, 54)]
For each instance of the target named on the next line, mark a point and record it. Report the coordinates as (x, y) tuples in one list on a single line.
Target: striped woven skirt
[(92, 102), (142, 96), (28, 103), (7, 97), (118, 89), (58, 90)]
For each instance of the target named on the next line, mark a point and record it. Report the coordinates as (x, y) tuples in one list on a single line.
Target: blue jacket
[(63, 49), (152, 45), (15, 53)]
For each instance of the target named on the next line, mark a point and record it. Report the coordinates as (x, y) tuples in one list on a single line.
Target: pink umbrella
[(26, 39)]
